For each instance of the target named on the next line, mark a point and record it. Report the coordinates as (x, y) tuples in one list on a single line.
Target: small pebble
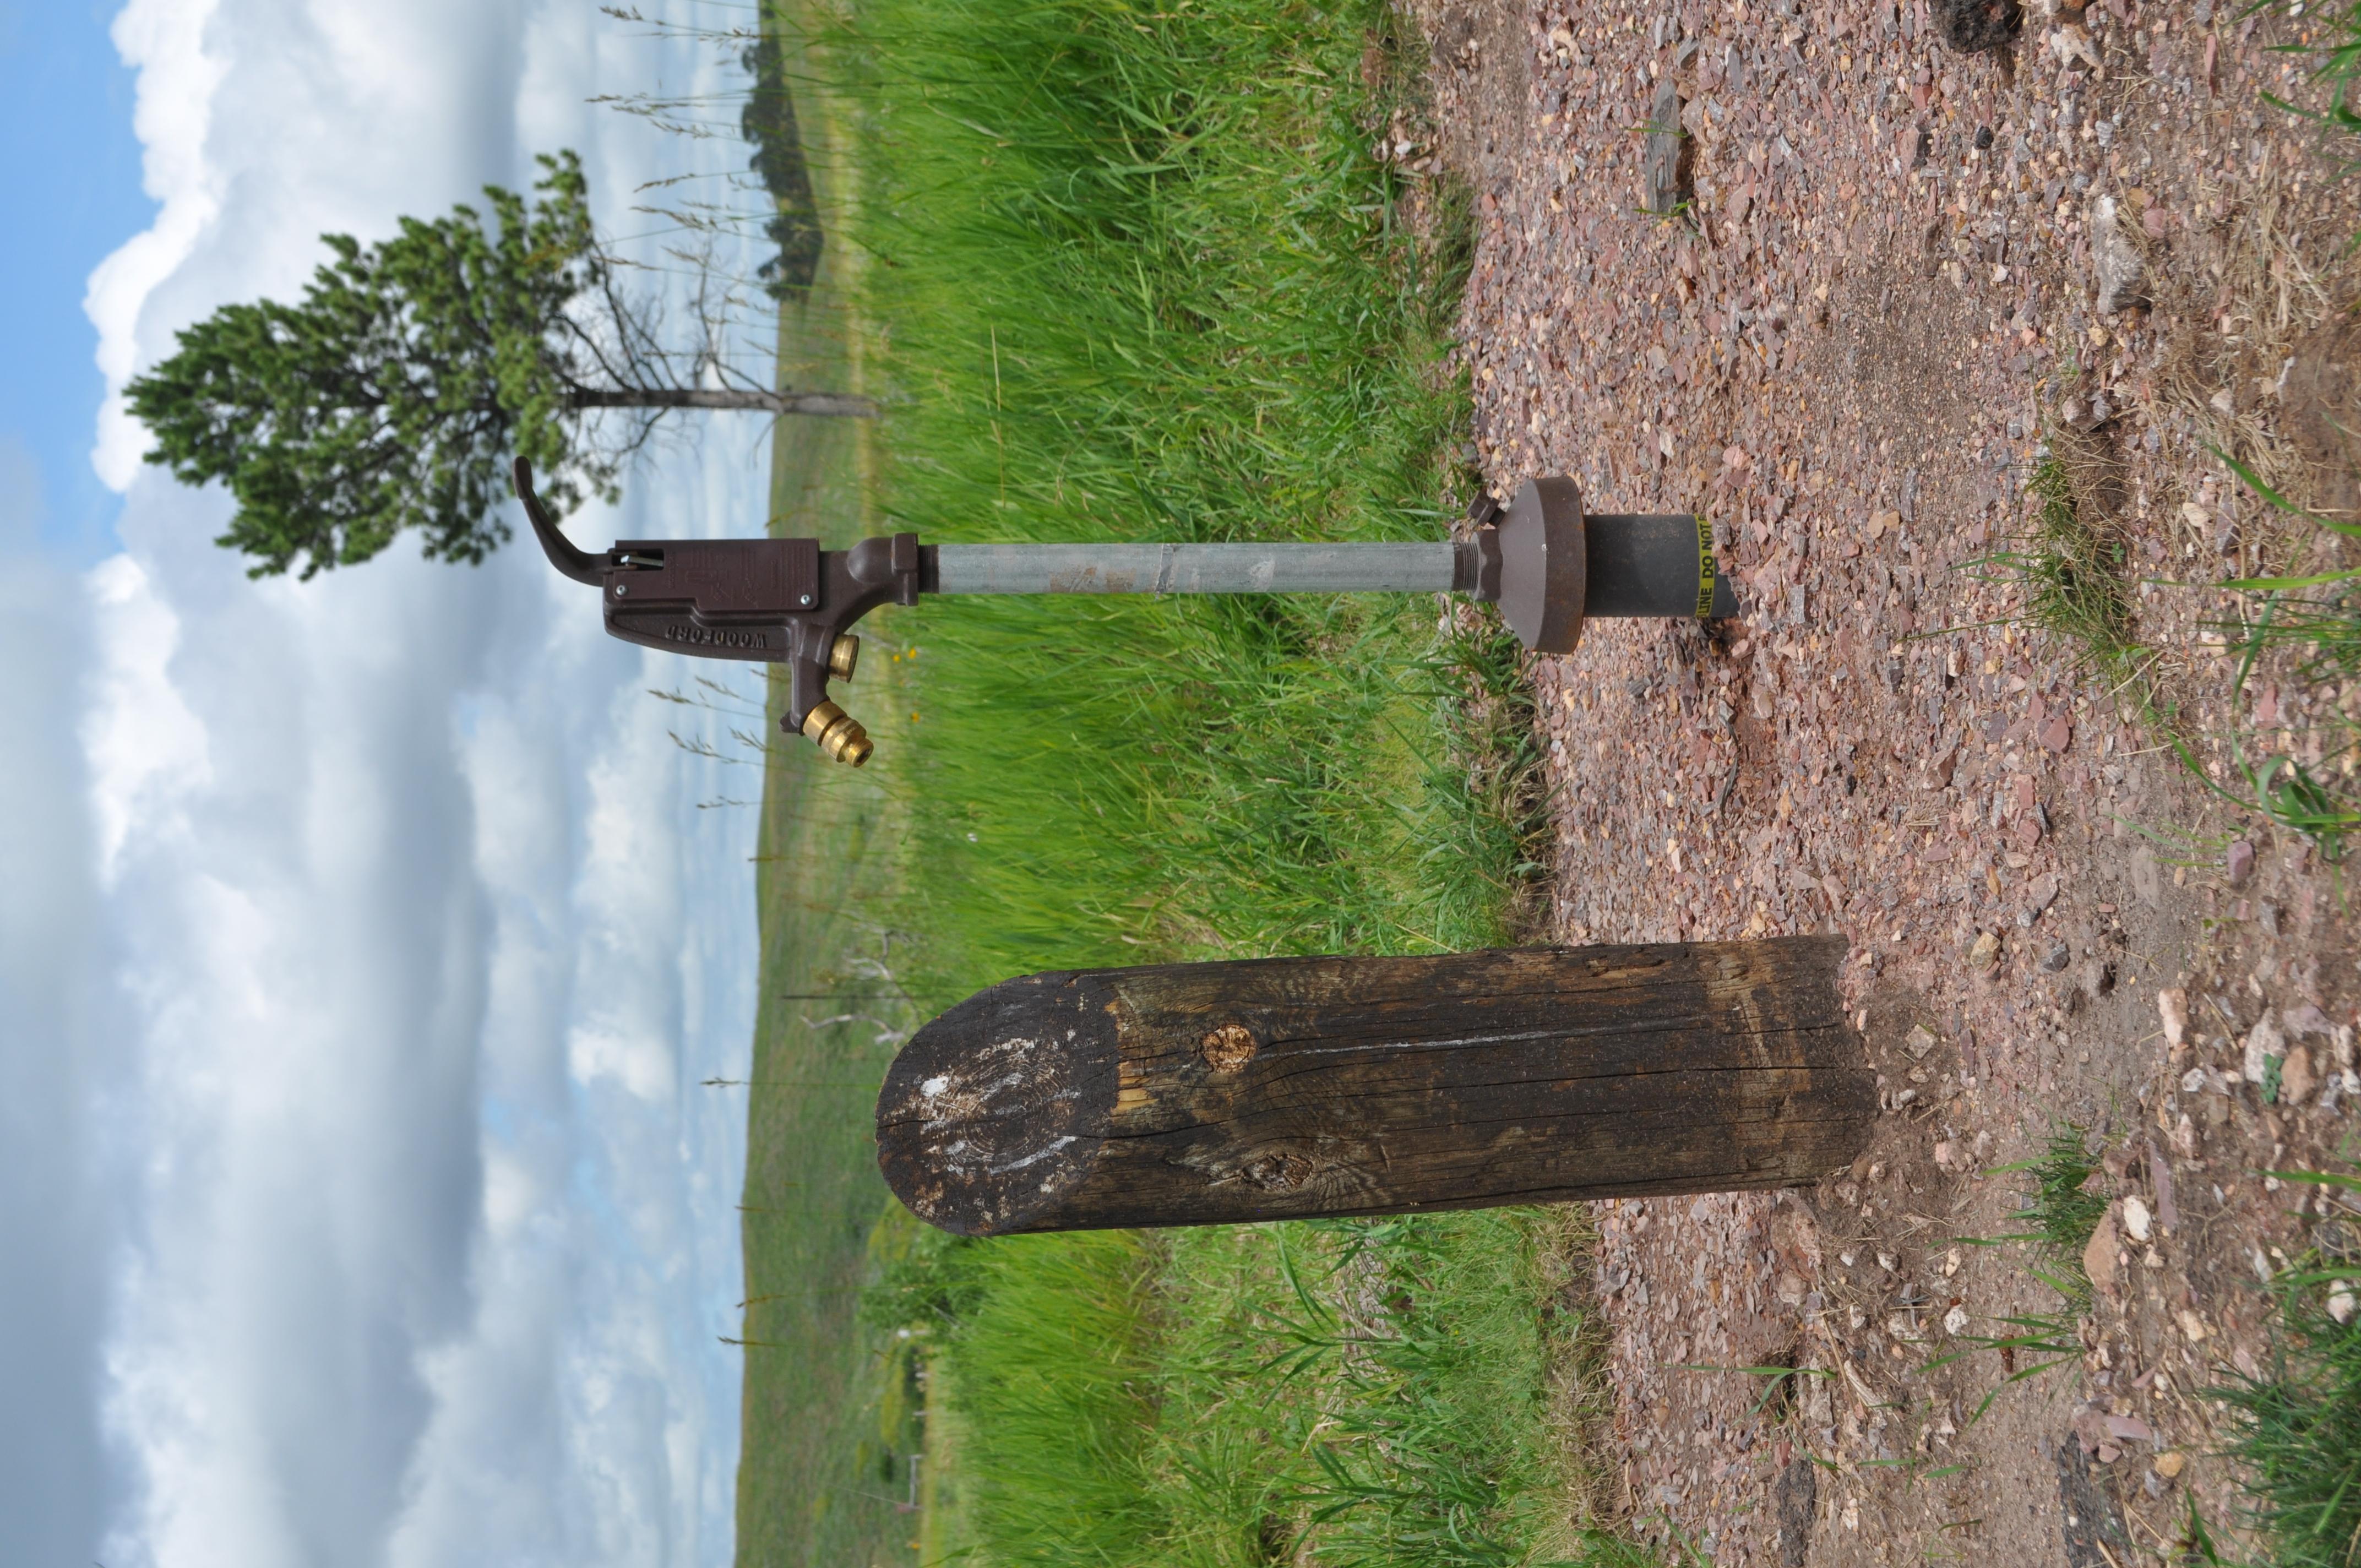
[(2136, 1219)]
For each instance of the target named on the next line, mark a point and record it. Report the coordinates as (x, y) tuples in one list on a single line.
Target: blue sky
[(65, 118), (362, 946)]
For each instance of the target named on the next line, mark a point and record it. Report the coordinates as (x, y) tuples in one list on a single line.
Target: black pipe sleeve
[(1653, 565)]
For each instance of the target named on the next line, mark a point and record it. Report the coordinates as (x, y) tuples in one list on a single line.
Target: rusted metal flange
[(1545, 575)]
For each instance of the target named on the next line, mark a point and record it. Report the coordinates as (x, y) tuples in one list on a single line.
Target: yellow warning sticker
[(1704, 568)]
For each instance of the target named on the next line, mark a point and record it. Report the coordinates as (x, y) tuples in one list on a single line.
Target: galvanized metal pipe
[(1198, 568)]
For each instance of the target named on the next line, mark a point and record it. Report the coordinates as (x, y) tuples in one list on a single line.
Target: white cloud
[(433, 1234), (58, 1221), (638, 1063), (145, 748), (164, 41)]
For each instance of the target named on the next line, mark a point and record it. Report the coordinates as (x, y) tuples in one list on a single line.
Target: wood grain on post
[(1212, 1093)]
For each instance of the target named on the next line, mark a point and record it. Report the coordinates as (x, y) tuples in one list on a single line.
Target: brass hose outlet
[(838, 734), (843, 655)]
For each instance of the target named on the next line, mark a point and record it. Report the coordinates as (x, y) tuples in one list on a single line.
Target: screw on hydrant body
[(1548, 566)]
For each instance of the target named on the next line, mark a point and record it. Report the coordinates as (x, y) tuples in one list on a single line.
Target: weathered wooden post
[(1192, 1094)]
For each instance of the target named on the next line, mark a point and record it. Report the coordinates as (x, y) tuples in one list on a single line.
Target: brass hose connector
[(843, 655), (838, 734)]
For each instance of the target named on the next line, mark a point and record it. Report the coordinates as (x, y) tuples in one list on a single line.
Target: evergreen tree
[(393, 395)]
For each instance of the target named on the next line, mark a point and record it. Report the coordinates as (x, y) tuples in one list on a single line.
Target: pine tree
[(393, 395)]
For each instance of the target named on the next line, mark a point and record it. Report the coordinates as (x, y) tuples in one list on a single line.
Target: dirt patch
[(1850, 349), (2323, 400)]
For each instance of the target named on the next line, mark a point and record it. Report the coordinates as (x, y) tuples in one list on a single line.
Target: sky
[(363, 943)]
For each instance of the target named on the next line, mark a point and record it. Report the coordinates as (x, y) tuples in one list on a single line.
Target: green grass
[(2312, 624), (2063, 1216), (1133, 276), (2337, 65), (826, 1424), (1130, 273), (1377, 1391), (2296, 1431), (827, 1417), (2070, 573), (2072, 581), (2064, 1212), (2316, 618), (1440, 1449)]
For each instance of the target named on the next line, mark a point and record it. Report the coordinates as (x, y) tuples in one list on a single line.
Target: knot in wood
[(1277, 1172), (1228, 1049)]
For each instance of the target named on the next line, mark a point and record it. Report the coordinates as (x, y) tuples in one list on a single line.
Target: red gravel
[(1847, 359)]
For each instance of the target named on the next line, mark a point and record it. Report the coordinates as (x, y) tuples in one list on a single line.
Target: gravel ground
[(1848, 349)]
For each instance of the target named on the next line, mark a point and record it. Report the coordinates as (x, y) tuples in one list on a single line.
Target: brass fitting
[(838, 734), (844, 655)]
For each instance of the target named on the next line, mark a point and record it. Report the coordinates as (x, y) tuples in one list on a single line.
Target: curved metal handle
[(579, 565)]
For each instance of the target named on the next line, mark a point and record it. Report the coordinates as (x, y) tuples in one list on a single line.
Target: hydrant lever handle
[(579, 565)]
